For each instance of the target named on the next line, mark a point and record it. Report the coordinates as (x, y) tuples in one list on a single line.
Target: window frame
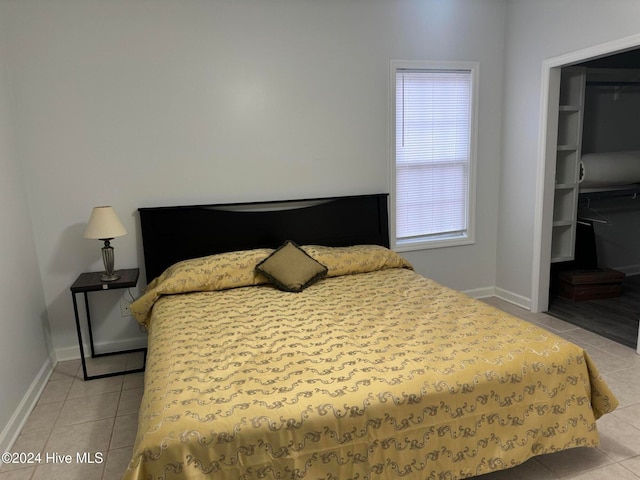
[(437, 241)]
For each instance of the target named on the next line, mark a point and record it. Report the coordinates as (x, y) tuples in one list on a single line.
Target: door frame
[(546, 162)]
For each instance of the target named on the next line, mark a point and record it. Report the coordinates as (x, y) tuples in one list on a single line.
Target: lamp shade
[(104, 223)]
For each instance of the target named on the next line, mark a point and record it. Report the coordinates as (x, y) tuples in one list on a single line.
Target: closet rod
[(613, 84), (634, 193)]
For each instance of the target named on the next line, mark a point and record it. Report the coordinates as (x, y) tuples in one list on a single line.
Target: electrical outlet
[(124, 307)]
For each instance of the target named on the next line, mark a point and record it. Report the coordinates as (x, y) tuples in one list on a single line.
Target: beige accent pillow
[(291, 269)]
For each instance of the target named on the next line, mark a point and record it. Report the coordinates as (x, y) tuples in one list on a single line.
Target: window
[(433, 166)]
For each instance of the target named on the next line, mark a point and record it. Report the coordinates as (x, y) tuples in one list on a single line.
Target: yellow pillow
[(356, 259), (291, 269)]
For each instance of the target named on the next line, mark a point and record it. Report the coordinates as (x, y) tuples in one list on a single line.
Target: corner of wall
[(11, 431)]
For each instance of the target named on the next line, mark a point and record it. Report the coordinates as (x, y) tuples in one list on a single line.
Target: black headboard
[(171, 234)]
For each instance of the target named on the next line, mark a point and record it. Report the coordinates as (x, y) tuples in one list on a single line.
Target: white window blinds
[(433, 130)]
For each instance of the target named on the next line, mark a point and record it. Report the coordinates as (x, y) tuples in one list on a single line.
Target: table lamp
[(105, 225)]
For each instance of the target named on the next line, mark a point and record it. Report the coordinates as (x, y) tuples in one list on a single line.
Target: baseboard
[(481, 292), (514, 298), (502, 294), (73, 353), (629, 270), (14, 426)]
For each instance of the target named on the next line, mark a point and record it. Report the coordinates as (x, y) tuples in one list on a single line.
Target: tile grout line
[(53, 426)]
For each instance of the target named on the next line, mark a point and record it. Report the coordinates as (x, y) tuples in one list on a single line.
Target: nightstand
[(90, 282)]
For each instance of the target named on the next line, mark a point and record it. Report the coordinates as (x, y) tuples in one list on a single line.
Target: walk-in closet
[(595, 264)]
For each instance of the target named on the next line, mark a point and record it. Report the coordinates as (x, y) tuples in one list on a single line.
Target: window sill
[(429, 244)]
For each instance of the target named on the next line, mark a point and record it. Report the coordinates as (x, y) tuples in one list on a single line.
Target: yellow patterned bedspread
[(373, 373)]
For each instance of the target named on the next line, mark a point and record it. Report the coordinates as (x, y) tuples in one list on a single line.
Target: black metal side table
[(90, 282)]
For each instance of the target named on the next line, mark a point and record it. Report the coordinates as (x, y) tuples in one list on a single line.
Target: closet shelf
[(565, 186), (563, 223), (561, 258), (570, 108), (568, 142)]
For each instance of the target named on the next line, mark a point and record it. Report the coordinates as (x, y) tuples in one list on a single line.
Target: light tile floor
[(100, 416), (97, 418)]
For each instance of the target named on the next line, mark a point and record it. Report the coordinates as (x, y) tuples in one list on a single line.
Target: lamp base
[(105, 277), (107, 258)]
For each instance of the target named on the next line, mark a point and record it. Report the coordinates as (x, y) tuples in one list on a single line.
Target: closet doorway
[(594, 268)]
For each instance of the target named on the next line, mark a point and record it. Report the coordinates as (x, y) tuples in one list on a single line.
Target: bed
[(366, 371)]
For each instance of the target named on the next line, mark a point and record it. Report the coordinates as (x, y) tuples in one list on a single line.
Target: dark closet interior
[(599, 289)]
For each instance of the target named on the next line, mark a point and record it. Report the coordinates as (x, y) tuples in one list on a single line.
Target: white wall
[(140, 103), (537, 31), (24, 342)]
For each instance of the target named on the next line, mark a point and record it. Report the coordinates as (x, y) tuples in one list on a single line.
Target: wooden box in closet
[(591, 284)]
